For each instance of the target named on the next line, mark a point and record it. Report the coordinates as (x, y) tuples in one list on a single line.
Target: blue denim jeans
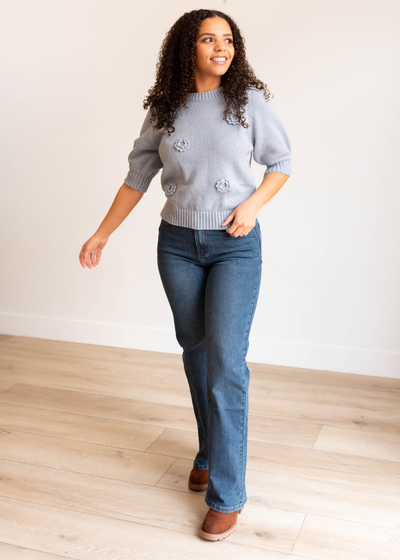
[(212, 281)]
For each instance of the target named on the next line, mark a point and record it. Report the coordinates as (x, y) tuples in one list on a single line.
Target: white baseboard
[(275, 352)]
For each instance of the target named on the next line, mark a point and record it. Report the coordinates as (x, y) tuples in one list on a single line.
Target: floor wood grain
[(13, 552), (96, 445)]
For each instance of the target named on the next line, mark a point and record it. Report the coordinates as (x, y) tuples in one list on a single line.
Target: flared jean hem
[(224, 509)]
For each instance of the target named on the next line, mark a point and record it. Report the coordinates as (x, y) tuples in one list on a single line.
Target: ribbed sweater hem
[(194, 219)]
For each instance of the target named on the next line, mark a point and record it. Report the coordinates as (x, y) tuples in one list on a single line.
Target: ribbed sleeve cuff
[(280, 167), (137, 181)]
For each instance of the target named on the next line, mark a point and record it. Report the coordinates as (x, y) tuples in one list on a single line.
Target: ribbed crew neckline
[(204, 95)]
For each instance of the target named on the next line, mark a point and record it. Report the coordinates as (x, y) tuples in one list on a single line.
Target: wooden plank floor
[(96, 445)]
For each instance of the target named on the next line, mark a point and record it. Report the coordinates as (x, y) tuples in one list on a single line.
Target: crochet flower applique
[(169, 191), (182, 145), (222, 185)]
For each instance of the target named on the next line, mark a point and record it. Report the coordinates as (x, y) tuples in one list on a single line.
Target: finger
[(228, 219), (88, 261), (232, 226), (92, 258), (82, 259), (237, 231), (97, 258), (245, 231), (232, 229)]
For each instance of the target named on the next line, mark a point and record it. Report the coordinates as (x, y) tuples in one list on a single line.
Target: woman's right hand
[(91, 251)]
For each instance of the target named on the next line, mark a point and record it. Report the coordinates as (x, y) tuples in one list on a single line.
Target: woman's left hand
[(244, 218)]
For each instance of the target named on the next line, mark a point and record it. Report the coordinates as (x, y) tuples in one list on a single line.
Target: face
[(214, 40)]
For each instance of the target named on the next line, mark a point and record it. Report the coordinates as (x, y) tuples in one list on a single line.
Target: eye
[(206, 39)]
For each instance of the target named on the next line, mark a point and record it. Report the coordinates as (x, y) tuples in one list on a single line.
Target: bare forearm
[(270, 185), (124, 202)]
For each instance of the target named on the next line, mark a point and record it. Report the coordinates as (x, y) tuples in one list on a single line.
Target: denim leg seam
[(202, 429), (198, 417), (244, 393)]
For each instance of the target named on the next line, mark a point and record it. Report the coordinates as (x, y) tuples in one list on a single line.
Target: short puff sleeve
[(271, 144), (144, 159)]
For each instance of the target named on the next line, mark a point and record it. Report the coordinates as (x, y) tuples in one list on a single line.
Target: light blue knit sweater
[(206, 161)]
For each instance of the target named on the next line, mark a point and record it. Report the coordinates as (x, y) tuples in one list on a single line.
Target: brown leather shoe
[(198, 480), (218, 525)]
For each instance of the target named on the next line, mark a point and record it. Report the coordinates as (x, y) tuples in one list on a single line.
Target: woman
[(208, 113)]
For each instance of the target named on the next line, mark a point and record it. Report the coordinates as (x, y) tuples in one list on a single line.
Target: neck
[(201, 86)]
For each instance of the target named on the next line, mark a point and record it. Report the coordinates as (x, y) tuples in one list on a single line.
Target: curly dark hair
[(176, 70)]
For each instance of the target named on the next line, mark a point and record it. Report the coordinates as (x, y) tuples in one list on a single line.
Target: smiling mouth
[(219, 59)]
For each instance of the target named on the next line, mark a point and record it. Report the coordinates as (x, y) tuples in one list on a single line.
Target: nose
[(220, 47)]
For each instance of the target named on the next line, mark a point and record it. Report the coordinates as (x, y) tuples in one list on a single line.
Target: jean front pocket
[(164, 223)]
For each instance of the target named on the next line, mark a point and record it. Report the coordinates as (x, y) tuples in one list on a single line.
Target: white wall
[(74, 74)]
